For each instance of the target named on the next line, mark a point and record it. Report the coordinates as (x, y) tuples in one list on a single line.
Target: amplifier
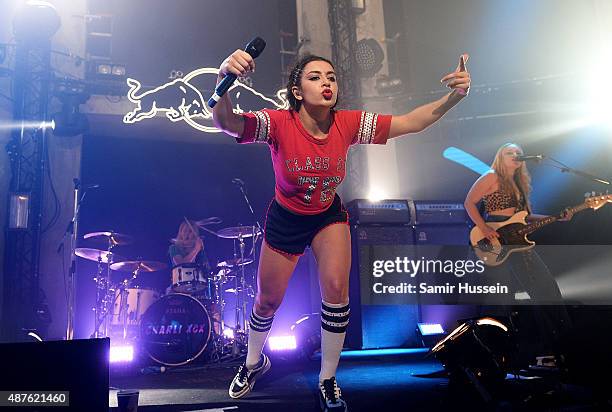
[(440, 212), (381, 212)]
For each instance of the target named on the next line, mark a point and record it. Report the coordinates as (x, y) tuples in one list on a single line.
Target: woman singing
[(309, 145)]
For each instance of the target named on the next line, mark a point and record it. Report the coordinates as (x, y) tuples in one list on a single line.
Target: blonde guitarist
[(505, 190)]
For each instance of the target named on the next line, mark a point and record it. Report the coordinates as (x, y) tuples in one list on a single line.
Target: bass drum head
[(175, 330)]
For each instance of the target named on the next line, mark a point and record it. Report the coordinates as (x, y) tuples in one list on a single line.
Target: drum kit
[(176, 328)]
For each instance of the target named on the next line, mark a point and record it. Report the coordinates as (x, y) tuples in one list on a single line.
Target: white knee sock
[(334, 321), (258, 333)]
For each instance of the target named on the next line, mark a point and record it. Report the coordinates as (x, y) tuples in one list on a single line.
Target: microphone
[(529, 157), (254, 48), (237, 181)]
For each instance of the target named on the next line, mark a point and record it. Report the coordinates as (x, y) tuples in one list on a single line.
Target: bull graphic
[(178, 99), (181, 100)]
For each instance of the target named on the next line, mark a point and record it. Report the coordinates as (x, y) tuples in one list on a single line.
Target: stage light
[(376, 194), (104, 69), (123, 353), (307, 332), (34, 336), (430, 333), (118, 70), (228, 333), (478, 352), (282, 343), (36, 21), (69, 122), (369, 56), (428, 329), (599, 107), (19, 210)]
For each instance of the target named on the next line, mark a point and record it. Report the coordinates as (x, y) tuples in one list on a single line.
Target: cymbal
[(238, 231), (138, 265), (116, 238), (231, 263), (97, 255)]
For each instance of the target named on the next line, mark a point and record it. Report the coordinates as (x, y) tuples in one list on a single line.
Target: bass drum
[(175, 330)]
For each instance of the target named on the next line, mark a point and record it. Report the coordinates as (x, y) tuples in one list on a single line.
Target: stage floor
[(370, 381)]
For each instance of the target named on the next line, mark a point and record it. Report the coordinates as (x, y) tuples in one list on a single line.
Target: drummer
[(188, 247)]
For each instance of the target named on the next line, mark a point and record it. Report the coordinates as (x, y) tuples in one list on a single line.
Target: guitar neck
[(532, 227)]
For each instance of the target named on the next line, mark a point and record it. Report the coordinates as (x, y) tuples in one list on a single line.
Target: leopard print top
[(499, 200)]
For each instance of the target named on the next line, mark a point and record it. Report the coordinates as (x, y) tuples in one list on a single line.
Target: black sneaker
[(330, 397), (245, 379)]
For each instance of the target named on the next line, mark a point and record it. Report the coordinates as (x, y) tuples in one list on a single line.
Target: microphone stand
[(255, 235), (260, 231), (73, 230), (566, 169)]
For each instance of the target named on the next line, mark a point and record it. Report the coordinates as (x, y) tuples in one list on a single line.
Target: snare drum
[(189, 278), (138, 301)]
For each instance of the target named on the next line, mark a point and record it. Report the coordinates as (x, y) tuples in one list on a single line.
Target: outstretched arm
[(224, 118), (424, 116)]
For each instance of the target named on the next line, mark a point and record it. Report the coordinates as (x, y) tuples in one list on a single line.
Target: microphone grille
[(255, 47)]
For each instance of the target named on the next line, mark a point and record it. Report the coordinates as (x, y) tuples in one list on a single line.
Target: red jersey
[(308, 170)]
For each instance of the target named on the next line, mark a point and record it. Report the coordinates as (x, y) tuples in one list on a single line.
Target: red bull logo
[(181, 100)]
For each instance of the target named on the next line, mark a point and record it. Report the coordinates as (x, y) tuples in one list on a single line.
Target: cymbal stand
[(123, 306), (105, 294), (240, 306), (103, 302)]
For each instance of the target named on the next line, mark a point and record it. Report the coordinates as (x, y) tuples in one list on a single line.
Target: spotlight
[(477, 351), (599, 108), (35, 336), (117, 70), (369, 56), (36, 21), (376, 194), (105, 70), (228, 333), (123, 353), (430, 333), (278, 343), (307, 332), (70, 122)]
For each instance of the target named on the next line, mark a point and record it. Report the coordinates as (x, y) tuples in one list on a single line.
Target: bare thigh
[(332, 250), (275, 270)]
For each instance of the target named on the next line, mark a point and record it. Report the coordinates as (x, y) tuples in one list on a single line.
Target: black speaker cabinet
[(80, 367), (389, 322)]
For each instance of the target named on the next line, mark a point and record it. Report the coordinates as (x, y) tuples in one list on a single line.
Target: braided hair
[(295, 77)]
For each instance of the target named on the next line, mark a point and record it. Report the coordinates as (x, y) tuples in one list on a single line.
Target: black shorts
[(290, 233)]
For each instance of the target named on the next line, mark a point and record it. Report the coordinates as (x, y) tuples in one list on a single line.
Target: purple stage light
[(124, 353), (279, 343), (228, 333)]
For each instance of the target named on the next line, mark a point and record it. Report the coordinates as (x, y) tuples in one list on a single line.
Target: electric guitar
[(513, 232)]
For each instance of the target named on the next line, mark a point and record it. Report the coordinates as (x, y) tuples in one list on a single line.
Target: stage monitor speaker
[(80, 367), (379, 325)]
